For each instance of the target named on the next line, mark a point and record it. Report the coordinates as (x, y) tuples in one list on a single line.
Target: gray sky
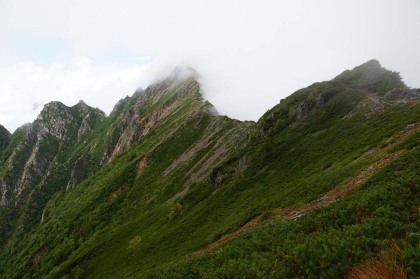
[(250, 54)]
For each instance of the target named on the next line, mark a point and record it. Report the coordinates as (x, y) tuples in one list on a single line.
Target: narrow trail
[(333, 195)]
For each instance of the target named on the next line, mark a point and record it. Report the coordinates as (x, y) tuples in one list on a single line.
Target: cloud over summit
[(249, 54)]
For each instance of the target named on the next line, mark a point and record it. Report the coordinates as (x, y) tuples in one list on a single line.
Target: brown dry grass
[(377, 269), (387, 266)]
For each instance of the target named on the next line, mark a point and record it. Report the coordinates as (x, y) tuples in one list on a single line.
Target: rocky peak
[(183, 73), (65, 122), (52, 110), (82, 103), (372, 77), (59, 127), (56, 128), (375, 85), (54, 119), (370, 65), (181, 81), (148, 108), (180, 78), (82, 107)]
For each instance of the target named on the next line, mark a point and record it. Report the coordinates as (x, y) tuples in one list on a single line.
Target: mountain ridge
[(167, 177)]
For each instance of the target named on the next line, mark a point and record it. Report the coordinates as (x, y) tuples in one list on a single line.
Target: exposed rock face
[(55, 120), (138, 120), (319, 101), (302, 111), (4, 193), (37, 163), (56, 128), (265, 126), (78, 172), (402, 95), (305, 107), (20, 165), (84, 127), (46, 143)]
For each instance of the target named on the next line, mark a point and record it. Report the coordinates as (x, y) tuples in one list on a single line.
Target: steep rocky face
[(403, 95), (169, 106), (52, 133), (65, 145), (78, 173), (135, 117)]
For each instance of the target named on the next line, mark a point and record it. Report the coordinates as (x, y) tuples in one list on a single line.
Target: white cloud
[(249, 53)]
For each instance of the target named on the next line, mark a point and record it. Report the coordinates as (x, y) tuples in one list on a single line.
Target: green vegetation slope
[(327, 181)]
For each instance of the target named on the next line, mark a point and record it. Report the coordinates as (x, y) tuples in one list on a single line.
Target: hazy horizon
[(249, 55)]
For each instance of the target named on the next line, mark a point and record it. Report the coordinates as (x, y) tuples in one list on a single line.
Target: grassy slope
[(327, 242), (115, 195), (88, 233), (294, 179), (294, 164)]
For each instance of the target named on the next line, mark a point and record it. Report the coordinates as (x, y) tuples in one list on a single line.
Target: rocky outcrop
[(302, 111), (78, 173), (20, 166), (55, 119), (402, 95), (84, 126), (49, 144), (36, 165), (305, 107), (149, 109), (56, 128)]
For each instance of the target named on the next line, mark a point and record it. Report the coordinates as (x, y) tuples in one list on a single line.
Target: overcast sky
[(250, 54)]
